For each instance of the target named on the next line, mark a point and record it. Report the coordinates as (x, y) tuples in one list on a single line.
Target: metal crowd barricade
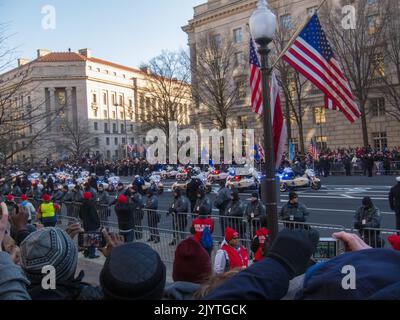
[(376, 238)]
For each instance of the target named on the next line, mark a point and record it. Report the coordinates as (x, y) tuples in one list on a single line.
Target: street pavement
[(334, 204)]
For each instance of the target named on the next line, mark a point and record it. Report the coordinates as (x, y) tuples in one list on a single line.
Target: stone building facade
[(330, 128), (112, 100)]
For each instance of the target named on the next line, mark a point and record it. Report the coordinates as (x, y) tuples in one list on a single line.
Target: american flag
[(312, 150), (255, 80), (261, 152), (279, 130), (311, 55)]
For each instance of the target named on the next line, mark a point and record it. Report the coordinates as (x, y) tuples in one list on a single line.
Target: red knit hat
[(192, 262), (230, 234), (46, 197), (87, 195), (122, 199), (395, 242), (24, 197), (10, 197)]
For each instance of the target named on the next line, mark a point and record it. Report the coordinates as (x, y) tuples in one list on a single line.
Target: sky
[(127, 32)]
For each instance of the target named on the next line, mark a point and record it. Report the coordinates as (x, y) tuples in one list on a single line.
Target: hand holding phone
[(328, 248), (91, 239)]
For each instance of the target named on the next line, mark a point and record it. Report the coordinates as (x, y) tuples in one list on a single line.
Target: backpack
[(206, 239)]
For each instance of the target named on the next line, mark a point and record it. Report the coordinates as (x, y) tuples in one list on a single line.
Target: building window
[(319, 115), (95, 126), (238, 35), (96, 142), (132, 141), (217, 40), (130, 104), (107, 141), (378, 107), (106, 71), (95, 113), (380, 140), (124, 76), (106, 127), (94, 98), (123, 140), (115, 74), (105, 114), (116, 141), (122, 128), (61, 97), (241, 89), (121, 101), (104, 98), (114, 99), (243, 122), (115, 128), (321, 143), (90, 67), (286, 22), (311, 11), (378, 65), (131, 127), (239, 57), (98, 69), (121, 114), (108, 154), (372, 22), (114, 115)]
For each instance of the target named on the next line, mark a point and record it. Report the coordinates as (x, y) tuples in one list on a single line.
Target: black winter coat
[(89, 216)]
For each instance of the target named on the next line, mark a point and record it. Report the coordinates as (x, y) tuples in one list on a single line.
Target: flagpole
[(297, 32)]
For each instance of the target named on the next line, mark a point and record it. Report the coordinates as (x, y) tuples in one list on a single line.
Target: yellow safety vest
[(47, 210)]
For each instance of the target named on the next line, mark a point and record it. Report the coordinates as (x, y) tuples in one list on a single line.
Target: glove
[(293, 249)]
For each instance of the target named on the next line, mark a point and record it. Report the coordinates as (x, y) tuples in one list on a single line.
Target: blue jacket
[(377, 276)]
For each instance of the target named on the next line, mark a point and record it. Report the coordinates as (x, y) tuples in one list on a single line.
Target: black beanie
[(292, 195), (133, 271), (366, 201)]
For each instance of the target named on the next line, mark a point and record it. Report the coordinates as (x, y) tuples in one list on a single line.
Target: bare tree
[(391, 87), (358, 49), (215, 71), (76, 139), (292, 83), (168, 90)]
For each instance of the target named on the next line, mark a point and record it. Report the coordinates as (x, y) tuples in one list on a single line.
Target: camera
[(328, 248), (89, 239)]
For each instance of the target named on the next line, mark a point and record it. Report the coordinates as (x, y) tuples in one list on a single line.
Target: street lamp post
[(262, 27)]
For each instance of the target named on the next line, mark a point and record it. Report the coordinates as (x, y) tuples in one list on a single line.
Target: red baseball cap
[(230, 234), (10, 197), (24, 197), (122, 199), (46, 197), (87, 195)]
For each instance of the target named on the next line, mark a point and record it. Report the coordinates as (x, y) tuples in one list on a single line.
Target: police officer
[(294, 211), (102, 202), (255, 210), (202, 200), (153, 217), (120, 191), (221, 201), (179, 209), (58, 195), (394, 201), (368, 216), (191, 192), (136, 202), (234, 212)]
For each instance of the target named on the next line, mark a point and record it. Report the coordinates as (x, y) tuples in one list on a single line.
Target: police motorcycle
[(289, 181), (152, 180), (243, 179), (202, 176)]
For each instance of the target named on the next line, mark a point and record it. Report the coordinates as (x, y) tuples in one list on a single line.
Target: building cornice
[(218, 13)]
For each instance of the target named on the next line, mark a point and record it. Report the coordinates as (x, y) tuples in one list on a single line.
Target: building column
[(52, 108), (68, 112)]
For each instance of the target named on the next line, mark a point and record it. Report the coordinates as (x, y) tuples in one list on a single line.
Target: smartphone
[(328, 248), (88, 239)]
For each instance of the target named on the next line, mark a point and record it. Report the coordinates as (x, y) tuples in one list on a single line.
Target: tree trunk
[(364, 124), (288, 123)]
